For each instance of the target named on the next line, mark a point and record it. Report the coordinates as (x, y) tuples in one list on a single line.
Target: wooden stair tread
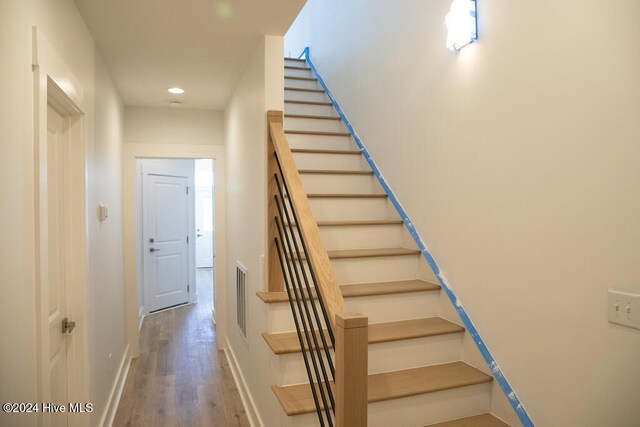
[(322, 151), (295, 59), (298, 399), (365, 253), (287, 342), (360, 222), (369, 253), (294, 67), (311, 116), (301, 78), (316, 132), (333, 172), (362, 290), (386, 288), (293, 101), (303, 89), (346, 196), (484, 420)]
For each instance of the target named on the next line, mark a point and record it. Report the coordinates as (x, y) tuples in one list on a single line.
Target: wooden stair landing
[(288, 342), (362, 290), (298, 399), (484, 420)]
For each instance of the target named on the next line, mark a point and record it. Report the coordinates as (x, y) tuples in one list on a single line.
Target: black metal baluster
[(301, 301), (304, 272), (296, 321), (304, 247)]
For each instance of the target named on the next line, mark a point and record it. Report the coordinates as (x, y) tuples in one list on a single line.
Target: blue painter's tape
[(493, 365)]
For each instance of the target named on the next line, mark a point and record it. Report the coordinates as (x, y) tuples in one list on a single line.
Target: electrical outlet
[(624, 308)]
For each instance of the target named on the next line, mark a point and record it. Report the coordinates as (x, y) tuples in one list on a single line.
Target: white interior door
[(166, 240), (204, 228), (57, 197)]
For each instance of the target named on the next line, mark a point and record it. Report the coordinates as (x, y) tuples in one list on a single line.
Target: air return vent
[(241, 292)]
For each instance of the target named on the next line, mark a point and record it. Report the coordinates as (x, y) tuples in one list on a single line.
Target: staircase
[(416, 375)]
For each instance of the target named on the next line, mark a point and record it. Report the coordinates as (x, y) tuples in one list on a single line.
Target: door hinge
[(187, 239), (187, 190), (188, 288)]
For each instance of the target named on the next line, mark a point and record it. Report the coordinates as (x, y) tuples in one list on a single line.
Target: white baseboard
[(109, 414), (140, 320), (247, 400)]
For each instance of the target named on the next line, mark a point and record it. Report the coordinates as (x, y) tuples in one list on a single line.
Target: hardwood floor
[(180, 379)]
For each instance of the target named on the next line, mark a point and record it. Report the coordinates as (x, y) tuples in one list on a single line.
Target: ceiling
[(202, 46)]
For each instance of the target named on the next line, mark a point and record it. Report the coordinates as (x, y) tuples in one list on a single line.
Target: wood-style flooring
[(180, 378)]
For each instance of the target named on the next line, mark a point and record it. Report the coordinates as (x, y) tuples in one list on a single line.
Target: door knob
[(67, 326), (154, 250), (199, 235)]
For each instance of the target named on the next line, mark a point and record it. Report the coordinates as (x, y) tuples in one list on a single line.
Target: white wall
[(246, 141), (61, 24), (173, 126), (152, 132), (106, 272), (516, 159)]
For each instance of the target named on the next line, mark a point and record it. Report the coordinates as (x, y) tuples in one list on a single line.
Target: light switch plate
[(102, 213), (624, 308)]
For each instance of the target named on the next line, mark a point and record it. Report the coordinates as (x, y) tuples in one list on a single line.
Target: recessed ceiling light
[(175, 90)]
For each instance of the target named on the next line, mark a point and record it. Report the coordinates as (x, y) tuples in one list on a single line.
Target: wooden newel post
[(352, 360), (275, 279)]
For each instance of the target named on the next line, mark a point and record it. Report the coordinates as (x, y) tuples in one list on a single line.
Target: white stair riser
[(361, 237), (390, 308), (306, 84), (295, 63), (320, 125), (383, 357), (296, 95), (349, 208), (384, 308), (341, 184), (322, 142), (376, 269), (330, 161), (306, 420), (431, 408), (290, 368), (310, 109), (297, 73)]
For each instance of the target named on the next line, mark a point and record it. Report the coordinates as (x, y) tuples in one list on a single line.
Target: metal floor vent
[(241, 300)]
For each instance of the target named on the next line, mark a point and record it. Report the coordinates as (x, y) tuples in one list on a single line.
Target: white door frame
[(54, 83), (197, 192), (178, 172), (132, 152)]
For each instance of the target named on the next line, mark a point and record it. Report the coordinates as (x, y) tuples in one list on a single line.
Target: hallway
[(180, 379)]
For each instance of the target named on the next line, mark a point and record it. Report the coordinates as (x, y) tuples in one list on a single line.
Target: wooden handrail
[(351, 330), (318, 258)]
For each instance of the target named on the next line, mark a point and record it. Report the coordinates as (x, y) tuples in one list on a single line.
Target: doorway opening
[(176, 233)]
